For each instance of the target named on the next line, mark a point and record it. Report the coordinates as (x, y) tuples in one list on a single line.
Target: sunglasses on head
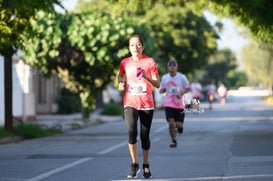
[(172, 64)]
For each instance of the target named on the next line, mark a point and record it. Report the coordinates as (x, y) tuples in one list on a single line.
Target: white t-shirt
[(174, 85), (196, 89), (222, 91), (211, 89)]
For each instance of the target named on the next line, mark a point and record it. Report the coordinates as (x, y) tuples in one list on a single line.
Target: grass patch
[(33, 131), (4, 134), (112, 109), (28, 131)]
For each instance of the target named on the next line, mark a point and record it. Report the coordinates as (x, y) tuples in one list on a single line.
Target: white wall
[(17, 91), (23, 104)]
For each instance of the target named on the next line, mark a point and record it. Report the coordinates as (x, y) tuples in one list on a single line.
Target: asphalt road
[(232, 142)]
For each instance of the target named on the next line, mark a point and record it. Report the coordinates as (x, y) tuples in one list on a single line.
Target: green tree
[(250, 14), (83, 49), (219, 66), (183, 35), (235, 79), (14, 17), (256, 15), (258, 61)]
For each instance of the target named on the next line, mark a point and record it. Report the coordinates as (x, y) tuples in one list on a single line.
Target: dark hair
[(137, 36)]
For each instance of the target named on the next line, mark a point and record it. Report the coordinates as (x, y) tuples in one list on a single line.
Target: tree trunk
[(8, 92), (85, 113)]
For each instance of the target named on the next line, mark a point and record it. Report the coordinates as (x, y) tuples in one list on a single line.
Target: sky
[(229, 38)]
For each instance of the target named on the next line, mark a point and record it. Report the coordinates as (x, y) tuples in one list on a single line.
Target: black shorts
[(177, 114)]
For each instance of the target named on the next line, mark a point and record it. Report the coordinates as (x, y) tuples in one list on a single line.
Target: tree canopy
[(183, 36), (255, 15), (180, 33), (14, 17)]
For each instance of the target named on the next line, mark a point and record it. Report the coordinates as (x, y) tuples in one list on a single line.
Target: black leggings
[(131, 117)]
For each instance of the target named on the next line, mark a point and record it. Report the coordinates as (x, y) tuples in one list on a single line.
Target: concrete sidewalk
[(73, 121)]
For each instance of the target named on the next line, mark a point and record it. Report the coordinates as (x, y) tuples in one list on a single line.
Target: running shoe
[(134, 170), (146, 171), (173, 144), (180, 130)]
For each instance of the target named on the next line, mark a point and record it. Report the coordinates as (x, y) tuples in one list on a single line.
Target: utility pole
[(8, 91)]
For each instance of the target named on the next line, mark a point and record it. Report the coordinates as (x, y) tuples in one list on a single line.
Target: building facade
[(31, 92)]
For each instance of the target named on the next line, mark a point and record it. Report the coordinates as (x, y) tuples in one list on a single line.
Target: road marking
[(156, 139), (57, 170), (161, 128), (112, 148)]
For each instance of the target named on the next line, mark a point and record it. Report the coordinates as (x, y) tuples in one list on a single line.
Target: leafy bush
[(28, 130), (4, 134), (112, 109), (68, 102)]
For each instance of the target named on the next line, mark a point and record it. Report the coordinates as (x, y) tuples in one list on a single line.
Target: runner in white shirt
[(211, 90), (222, 92), (174, 84), (196, 89)]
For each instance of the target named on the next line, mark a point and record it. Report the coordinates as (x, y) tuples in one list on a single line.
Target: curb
[(13, 139), (65, 125)]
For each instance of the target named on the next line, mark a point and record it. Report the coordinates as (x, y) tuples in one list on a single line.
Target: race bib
[(173, 90), (137, 89)]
